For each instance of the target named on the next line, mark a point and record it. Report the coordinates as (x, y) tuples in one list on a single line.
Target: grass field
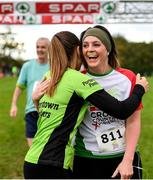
[(12, 138)]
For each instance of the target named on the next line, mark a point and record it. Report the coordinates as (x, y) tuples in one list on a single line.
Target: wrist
[(13, 105), (128, 159)]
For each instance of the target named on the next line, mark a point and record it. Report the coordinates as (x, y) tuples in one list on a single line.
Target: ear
[(78, 50)]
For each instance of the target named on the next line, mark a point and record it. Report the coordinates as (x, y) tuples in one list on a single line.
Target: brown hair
[(112, 57), (62, 54)]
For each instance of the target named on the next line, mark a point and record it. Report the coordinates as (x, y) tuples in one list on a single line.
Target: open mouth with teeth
[(92, 55)]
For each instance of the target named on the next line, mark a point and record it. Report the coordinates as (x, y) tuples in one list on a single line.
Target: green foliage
[(13, 146), (11, 62), (8, 44), (135, 56), (10, 50)]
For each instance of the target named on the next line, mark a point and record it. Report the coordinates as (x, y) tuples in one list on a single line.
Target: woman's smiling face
[(94, 52)]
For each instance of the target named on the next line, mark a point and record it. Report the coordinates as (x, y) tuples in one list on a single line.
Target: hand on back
[(142, 81), (40, 90)]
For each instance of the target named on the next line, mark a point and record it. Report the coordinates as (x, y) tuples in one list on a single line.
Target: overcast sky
[(28, 34)]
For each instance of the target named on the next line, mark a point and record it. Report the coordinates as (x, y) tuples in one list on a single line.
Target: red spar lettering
[(77, 19), (72, 19), (67, 19), (10, 20), (69, 7)]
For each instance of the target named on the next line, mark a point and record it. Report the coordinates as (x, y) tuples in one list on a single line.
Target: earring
[(107, 53)]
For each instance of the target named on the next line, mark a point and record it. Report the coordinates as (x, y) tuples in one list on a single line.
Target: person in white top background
[(106, 146)]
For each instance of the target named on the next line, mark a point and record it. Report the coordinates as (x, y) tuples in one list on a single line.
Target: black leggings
[(91, 168), (38, 171)]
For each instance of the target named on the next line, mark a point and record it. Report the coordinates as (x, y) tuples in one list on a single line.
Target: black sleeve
[(114, 107)]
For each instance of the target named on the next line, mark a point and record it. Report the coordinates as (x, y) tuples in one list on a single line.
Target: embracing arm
[(118, 109)]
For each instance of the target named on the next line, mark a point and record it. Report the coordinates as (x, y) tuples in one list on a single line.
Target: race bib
[(111, 140)]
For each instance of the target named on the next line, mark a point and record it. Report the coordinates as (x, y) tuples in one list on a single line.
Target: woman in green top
[(62, 109)]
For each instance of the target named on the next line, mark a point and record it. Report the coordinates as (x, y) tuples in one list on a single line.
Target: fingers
[(42, 86), (126, 177), (142, 81), (115, 173), (138, 76), (123, 175), (44, 79), (41, 89), (45, 83), (143, 78), (13, 114)]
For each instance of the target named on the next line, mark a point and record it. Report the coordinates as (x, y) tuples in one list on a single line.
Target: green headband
[(101, 35)]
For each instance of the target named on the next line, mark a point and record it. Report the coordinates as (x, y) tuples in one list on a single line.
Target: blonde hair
[(43, 39), (62, 54)]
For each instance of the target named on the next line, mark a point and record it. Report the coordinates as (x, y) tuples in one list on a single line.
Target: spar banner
[(46, 12)]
